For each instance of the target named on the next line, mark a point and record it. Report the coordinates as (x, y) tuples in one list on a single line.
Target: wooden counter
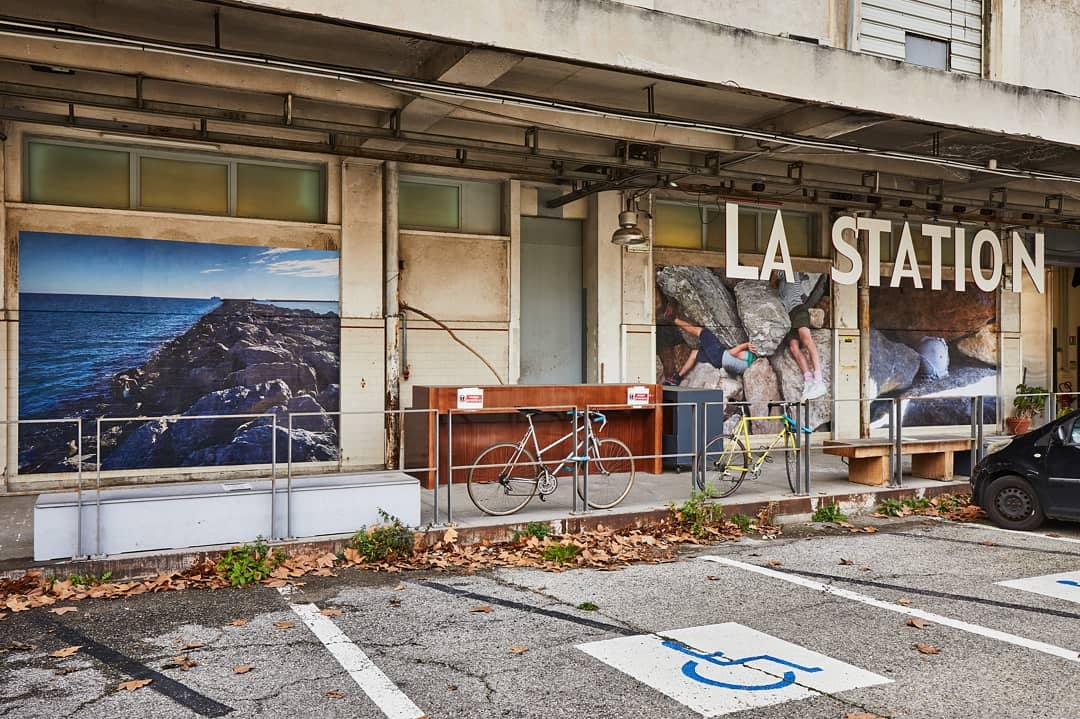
[(639, 427)]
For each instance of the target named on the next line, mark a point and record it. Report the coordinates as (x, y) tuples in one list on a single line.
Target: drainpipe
[(864, 341), (391, 313)]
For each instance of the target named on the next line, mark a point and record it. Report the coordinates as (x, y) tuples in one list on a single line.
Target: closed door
[(552, 319), (1063, 472)]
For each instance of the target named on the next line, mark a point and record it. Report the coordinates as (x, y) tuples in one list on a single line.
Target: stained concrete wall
[(806, 18)]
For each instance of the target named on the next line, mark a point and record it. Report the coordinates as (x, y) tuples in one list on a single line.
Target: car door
[(1063, 472)]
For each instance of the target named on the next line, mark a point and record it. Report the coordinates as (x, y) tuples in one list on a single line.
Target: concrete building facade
[(465, 164)]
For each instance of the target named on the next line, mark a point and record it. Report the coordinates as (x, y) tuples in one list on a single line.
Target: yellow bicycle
[(727, 459)]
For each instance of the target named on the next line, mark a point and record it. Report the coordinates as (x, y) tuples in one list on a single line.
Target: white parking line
[(1029, 533), (1068, 654), (391, 701)]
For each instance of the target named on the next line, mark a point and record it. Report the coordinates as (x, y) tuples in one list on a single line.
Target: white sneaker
[(813, 390)]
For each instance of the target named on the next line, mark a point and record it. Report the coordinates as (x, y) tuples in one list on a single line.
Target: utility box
[(679, 421)]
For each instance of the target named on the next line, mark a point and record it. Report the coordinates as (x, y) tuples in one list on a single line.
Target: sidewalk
[(646, 503)]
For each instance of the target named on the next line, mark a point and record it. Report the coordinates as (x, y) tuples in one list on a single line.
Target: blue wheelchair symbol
[(690, 669), (1069, 582)]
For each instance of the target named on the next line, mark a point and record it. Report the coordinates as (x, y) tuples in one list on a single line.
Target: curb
[(145, 564)]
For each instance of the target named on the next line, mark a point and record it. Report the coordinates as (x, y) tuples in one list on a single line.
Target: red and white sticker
[(637, 395), (470, 398)]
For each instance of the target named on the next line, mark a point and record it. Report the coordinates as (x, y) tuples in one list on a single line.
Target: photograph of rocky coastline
[(739, 311), (107, 347), (935, 350)]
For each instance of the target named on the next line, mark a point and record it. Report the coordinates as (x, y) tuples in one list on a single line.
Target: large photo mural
[(124, 327), (760, 341), (934, 350)]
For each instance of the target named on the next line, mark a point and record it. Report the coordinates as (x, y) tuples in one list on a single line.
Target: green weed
[(698, 513), (588, 606), (380, 542), (742, 522), (89, 580), (829, 513), (560, 552), (532, 529), (890, 508), (249, 563)]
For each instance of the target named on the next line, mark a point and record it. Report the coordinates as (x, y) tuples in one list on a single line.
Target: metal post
[(449, 466), (975, 451), (576, 464), (435, 473), (585, 480), (97, 490), (288, 483), (273, 474), (78, 491), (979, 425), (892, 435), (695, 445), (805, 437), (899, 443)]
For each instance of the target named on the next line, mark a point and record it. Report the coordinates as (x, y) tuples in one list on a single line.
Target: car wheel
[(1011, 502)]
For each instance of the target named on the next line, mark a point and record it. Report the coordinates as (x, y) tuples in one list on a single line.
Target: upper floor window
[(696, 227), (926, 51), (450, 205), (941, 34), (74, 173)]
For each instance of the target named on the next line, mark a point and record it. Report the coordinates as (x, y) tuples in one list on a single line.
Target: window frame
[(137, 152), (930, 38), (760, 240), (458, 183)]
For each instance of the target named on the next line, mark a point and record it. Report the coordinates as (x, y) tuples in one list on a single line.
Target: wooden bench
[(868, 459)]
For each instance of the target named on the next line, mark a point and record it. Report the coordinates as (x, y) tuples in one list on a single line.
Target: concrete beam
[(624, 37)]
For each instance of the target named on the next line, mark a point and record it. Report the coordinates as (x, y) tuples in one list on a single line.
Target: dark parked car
[(1032, 477)]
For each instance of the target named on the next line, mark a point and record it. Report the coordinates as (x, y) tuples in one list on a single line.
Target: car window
[(1075, 436)]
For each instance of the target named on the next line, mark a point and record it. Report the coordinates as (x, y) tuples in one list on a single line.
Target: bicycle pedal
[(768, 459)]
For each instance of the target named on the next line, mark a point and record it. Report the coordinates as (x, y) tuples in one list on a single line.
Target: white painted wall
[(806, 18)]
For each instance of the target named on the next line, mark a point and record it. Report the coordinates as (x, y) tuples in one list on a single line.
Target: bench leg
[(933, 465), (873, 471)]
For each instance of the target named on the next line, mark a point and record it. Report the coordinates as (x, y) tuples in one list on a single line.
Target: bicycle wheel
[(611, 474), (791, 459), (502, 480), (726, 462)]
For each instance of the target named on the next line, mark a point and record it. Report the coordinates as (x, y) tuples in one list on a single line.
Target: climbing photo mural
[(121, 327), (933, 350), (759, 341)]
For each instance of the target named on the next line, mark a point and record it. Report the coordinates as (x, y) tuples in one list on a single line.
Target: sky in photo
[(97, 265)]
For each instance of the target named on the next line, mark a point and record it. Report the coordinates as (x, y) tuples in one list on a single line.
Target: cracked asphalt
[(426, 633)]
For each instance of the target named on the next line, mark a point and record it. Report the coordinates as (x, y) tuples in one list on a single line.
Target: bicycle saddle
[(529, 412)]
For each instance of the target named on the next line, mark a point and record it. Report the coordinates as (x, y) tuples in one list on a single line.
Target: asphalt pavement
[(909, 621)]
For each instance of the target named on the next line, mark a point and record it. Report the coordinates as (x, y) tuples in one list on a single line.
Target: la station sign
[(987, 276)]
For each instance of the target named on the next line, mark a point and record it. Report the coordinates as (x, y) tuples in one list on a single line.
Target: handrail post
[(805, 436), (979, 423), (576, 464), (273, 476), (78, 491), (585, 479), (899, 442), (436, 472), (695, 445), (97, 491), (288, 480), (449, 466), (975, 442)]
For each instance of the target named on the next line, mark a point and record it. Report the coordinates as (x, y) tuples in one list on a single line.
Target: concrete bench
[(868, 459)]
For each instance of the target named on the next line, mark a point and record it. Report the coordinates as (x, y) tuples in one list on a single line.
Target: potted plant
[(1028, 402)]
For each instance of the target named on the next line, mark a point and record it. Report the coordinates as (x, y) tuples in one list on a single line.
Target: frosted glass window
[(748, 231), (926, 51), (166, 184), (798, 229), (275, 192), (677, 226), (77, 175), (427, 206)]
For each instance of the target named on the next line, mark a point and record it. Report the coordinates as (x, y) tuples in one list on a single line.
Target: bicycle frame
[(742, 431), (577, 454)]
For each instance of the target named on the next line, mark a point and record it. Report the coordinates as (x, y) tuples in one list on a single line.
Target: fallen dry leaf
[(518, 649), (192, 645), (903, 600), (917, 623), (284, 625), (331, 612), (861, 715), (927, 649), (988, 543), (66, 651), (775, 563), (242, 668), (63, 610), (712, 577), (482, 608), (399, 587), (133, 684), (335, 695), (451, 687), (869, 530), (846, 561), (181, 662), (237, 622), (449, 536)]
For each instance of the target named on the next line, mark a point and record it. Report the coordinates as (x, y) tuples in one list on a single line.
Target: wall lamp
[(629, 234)]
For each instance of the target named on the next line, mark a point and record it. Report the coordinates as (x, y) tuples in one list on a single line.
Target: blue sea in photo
[(70, 345)]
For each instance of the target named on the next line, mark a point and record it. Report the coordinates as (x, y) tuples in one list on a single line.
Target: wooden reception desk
[(639, 427)]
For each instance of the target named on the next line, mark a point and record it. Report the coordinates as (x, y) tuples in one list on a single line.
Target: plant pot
[(1018, 425)]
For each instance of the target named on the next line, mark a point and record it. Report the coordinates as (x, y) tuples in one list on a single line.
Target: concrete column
[(8, 438), (362, 327), (602, 270), (512, 224), (391, 311)]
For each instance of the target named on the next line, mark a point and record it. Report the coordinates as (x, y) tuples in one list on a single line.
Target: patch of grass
[(698, 513), (381, 542), (89, 580), (829, 513), (742, 522), (918, 504), (560, 552), (249, 563), (890, 507), (588, 607), (533, 529), (950, 502)]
